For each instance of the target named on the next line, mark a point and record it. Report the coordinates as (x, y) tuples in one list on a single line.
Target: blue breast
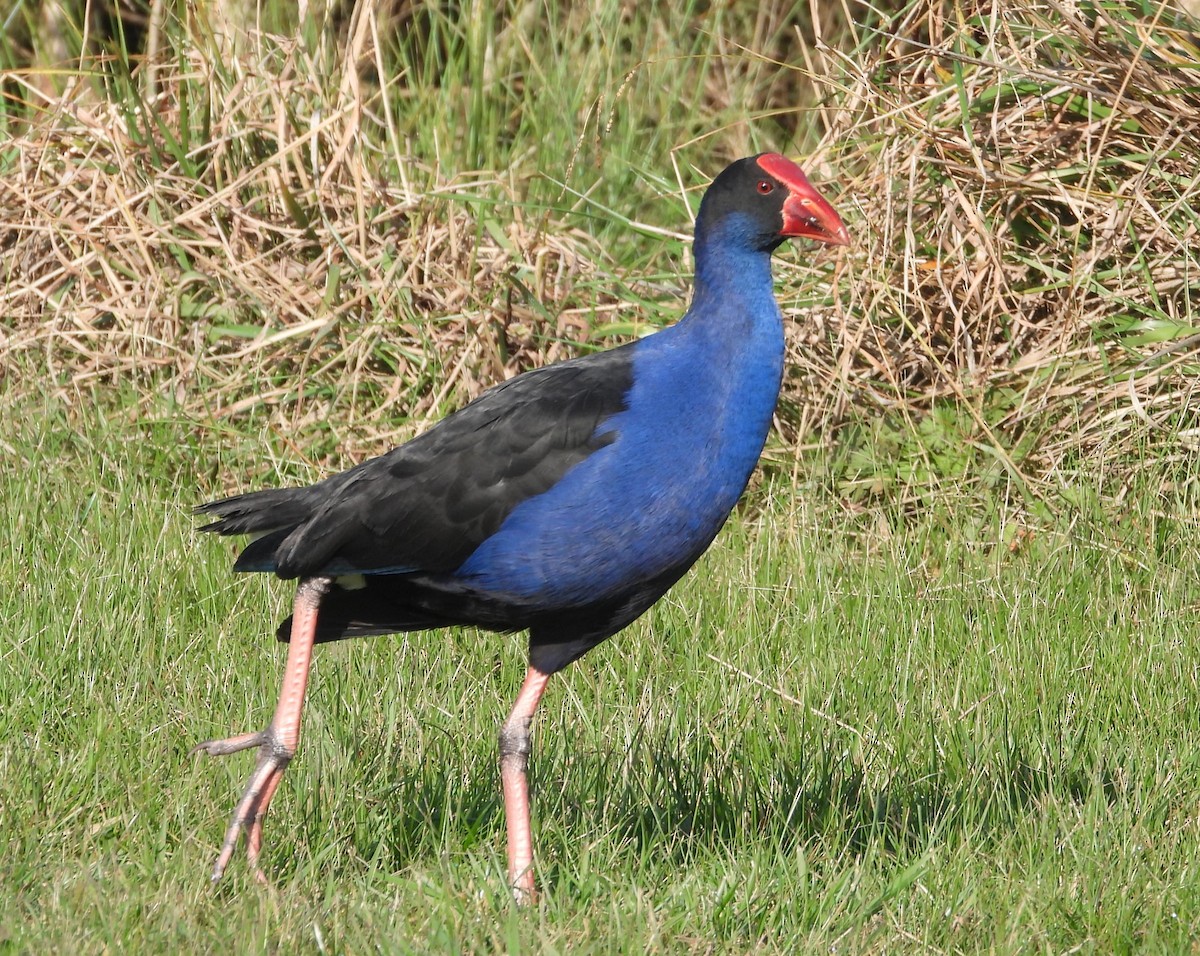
[(697, 416)]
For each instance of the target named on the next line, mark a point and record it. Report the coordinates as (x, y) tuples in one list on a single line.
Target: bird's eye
[(765, 186)]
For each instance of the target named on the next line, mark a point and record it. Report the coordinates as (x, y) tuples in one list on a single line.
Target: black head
[(768, 199)]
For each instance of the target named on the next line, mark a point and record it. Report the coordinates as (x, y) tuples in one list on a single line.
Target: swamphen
[(565, 501)]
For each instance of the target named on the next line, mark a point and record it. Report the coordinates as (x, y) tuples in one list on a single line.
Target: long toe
[(230, 745), (247, 817)]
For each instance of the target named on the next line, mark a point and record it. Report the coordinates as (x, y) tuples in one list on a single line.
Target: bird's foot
[(273, 758)]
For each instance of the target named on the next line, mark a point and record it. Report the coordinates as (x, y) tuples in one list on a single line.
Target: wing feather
[(428, 504)]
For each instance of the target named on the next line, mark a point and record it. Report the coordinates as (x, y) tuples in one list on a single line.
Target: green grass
[(914, 700), (844, 732)]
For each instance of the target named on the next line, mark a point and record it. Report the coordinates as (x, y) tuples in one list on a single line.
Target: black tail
[(259, 512), (269, 516)]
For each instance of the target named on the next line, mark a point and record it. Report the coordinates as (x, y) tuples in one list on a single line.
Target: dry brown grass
[(1021, 182), (277, 274), (1027, 187)]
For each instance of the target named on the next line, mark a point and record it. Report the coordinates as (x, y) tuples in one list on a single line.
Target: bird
[(564, 501)]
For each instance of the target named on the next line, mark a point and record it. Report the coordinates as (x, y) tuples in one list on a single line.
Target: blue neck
[(733, 290)]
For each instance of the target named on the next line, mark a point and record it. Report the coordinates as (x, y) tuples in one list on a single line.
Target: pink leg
[(514, 760), (277, 744)]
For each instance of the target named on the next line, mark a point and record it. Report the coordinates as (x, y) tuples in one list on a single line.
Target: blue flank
[(696, 420)]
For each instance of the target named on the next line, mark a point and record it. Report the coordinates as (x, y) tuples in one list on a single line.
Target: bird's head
[(763, 200)]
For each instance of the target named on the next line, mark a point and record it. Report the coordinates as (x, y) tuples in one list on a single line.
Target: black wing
[(428, 504)]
